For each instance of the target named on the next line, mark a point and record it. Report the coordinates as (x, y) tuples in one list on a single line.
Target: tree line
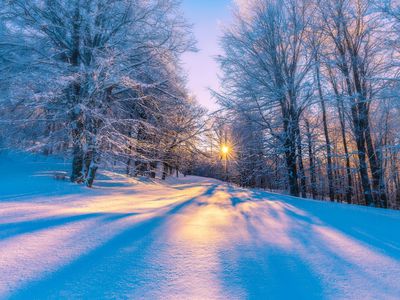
[(310, 88), (98, 80)]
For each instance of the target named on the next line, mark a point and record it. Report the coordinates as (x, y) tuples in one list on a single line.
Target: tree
[(352, 29), (266, 69), (318, 81), (85, 66)]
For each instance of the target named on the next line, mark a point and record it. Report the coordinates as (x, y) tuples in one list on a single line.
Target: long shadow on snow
[(258, 270), (296, 269), (185, 186), (366, 224), (16, 228), (102, 272), (365, 227), (293, 268)]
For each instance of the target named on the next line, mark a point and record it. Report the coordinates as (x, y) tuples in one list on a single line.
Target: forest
[(309, 101), (200, 149), (310, 89)]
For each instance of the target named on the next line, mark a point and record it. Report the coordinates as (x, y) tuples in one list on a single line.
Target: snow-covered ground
[(192, 238)]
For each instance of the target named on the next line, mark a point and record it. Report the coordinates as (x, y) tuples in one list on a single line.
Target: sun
[(225, 149)]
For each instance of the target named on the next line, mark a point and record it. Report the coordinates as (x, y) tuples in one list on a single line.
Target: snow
[(188, 238)]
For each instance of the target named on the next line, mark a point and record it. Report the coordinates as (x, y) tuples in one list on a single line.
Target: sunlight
[(225, 149), (182, 149)]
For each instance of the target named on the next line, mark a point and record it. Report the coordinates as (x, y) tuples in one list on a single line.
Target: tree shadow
[(370, 226), (366, 224), (290, 271), (25, 227), (113, 267)]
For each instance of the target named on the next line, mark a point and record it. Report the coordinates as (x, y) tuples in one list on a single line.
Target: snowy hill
[(191, 238)]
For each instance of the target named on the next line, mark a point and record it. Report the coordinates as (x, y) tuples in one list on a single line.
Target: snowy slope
[(193, 238)]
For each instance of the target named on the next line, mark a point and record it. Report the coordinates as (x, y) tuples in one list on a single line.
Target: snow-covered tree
[(318, 81), (95, 76), (266, 66)]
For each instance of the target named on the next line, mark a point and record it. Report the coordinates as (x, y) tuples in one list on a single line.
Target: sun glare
[(225, 149)]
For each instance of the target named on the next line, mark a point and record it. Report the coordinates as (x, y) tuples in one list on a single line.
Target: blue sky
[(207, 17)]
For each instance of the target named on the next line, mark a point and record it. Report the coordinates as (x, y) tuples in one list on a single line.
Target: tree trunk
[(77, 150), (359, 134), (164, 171), (76, 115), (128, 167), (326, 133), (360, 141), (290, 156), (311, 160), (360, 106), (94, 165), (302, 176), (342, 121), (349, 188), (77, 164), (375, 163)]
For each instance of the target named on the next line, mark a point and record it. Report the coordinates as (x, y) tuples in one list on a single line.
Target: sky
[(207, 16)]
